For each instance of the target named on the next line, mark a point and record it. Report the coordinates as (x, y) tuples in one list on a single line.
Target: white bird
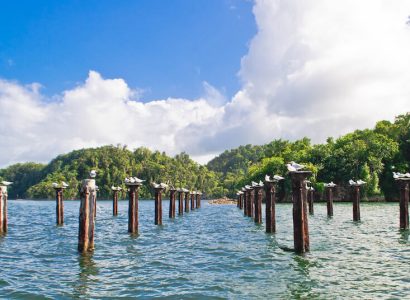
[(55, 185), (93, 173), (351, 182), (64, 184), (137, 180), (260, 183), (254, 184), (330, 184), (116, 188), (360, 182), (291, 168), (243, 189), (295, 166), (277, 177), (248, 187), (267, 178), (396, 175), (6, 183), (407, 175)]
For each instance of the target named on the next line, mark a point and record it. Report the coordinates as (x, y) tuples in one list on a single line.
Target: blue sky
[(166, 48)]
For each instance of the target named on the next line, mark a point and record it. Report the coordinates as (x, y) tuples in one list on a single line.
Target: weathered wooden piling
[(356, 202), (3, 208), (198, 199), (404, 202), (241, 200), (59, 206), (311, 194), (193, 200), (270, 213), (115, 191), (329, 188), (133, 185), (187, 193), (245, 201), (180, 201), (249, 199), (158, 205), (172, 191), (300, 216), (88, 195), (257, 189)]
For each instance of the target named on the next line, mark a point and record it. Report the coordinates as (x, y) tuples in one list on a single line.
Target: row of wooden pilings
[(187, 200), (250, 200)]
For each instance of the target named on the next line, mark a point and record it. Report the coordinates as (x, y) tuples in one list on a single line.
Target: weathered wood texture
[(258, 204), (198, 200), (172, 203), (158, 206), (192, 201), (311, 194), (88, 195), (3, 209), (59, 206), (133, 209), (186, 202), (404, 204), (329, 201), (241, 201), (250, 205), (270, 213), (356, 202), (180, 203), (300, 216), (115, 203), (245, 203)]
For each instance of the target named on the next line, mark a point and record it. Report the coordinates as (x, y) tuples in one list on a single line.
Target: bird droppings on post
[(3, 206), (329, 187), (158, 188), (59, 201), (88, 195), (270, 210), (133, 184), (116, 190), (300, 216), (403, 181), (172, 192), (257, 187), (355, 185)]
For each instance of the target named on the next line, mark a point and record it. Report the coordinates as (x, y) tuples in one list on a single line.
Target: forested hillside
[(371, 155), (113, 164)]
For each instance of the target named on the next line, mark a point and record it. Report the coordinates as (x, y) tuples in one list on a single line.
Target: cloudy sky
[(196, 76)]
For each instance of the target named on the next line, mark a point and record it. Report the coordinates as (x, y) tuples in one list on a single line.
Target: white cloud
[(315, 68)]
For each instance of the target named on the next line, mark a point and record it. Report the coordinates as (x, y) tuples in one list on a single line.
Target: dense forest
[(370, 155)]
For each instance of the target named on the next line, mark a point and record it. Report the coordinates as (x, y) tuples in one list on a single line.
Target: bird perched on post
[(93, 173), (6, 183), (294, 167)]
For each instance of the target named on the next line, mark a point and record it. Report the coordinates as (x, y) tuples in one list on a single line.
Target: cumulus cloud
[(315, 68)]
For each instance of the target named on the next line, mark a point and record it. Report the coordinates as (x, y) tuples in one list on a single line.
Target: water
[(212, 253)]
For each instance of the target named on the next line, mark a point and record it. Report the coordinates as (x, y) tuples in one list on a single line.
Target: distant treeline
[(370, 155)]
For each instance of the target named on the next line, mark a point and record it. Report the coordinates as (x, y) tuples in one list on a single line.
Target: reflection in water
[(88, 274), (302, 264), (404, 236)]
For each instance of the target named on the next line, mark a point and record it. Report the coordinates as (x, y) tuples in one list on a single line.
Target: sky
[(196, 76)]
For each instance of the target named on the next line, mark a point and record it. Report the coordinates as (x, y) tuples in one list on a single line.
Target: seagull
[(292, 166), (351, 182), (6, 183), (93, 173), (396, 175), (55, 185), (361, 182), (248, 187), (254, 184), (330, 184), (64, 184), (137, 180), (116, 188), (277, 177), (267, 178), (406, 175), (243, 189), (260, 183)]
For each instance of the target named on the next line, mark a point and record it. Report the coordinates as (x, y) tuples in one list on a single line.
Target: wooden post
[(187, 201), (404, 203), (87, 218), (133, 208), (300, 216), (270, 207), (356, 202), (158, 206), (59, 206), (329, 193), (172, 202), (241, 200), (3, 209), (192, 200), (198, 199), (311, 194), (180, 202), (245, 202), (115, 190), (250, 202), (258, 203)]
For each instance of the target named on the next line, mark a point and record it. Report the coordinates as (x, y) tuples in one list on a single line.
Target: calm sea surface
[(211, 253)]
